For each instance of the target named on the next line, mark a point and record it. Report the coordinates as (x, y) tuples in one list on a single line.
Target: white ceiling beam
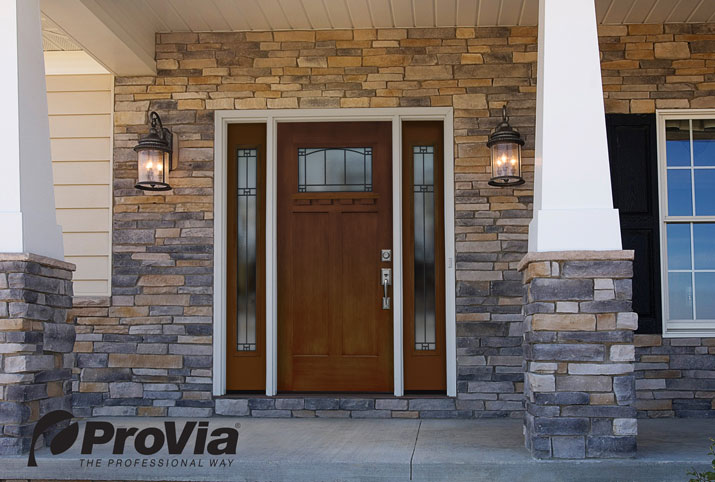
[(103, 37)]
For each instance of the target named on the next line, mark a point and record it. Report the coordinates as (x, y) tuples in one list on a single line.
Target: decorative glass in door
[(424, 217), (336, 169), (247, 222)]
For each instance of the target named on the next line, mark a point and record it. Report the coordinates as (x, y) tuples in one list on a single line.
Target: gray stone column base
[(579, 385), (36, 343)]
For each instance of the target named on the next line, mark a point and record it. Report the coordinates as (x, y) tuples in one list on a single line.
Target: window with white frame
[(687, 181)]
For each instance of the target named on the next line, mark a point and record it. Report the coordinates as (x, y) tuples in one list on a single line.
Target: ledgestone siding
[(148, 350)]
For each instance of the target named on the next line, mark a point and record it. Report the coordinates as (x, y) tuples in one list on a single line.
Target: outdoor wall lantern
[(155, 154), (505, 144)]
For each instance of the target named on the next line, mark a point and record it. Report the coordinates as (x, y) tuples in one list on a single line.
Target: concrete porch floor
[(330, 449)]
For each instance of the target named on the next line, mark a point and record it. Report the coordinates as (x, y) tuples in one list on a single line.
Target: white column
[(27, 204), (573, 207)]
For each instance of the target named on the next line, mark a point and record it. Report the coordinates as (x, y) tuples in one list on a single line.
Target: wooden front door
[(334, 218)]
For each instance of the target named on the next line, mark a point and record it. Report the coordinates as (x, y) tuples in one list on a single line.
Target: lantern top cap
[(504, 132), (158, 137)]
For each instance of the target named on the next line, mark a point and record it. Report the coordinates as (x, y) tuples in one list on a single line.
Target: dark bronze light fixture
[(154, 157), (505, 145)]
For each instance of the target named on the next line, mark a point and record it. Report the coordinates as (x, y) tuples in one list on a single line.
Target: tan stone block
[(612, 30), (386, 60), (617, 106), (197, 63), (89, 387), (428, 72), (647, 340), (463, 32), (654, 404), (251, 103), (161, 300), (703, 102), (283, 103), (54, 389), (312, 62), (129, 118), (122, 360), (469, 101), (189, 104), (344, 61), (645, 29), (602, 399), (355, 102), (294, 36), (541, 269), (160, 280), (83, 347), (321, 35), (391, 34), (274, 61), (167, 64), (672, 103), (472, 59), (14, 324), (563, 322), (606, 321), (384, 102), (98, 320), (525, 57), (152, 411), (620, 65), (642, 106), (672, 50), (217, 104)]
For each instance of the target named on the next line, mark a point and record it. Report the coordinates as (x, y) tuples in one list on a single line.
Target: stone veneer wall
[(147, 350), (36, 344)]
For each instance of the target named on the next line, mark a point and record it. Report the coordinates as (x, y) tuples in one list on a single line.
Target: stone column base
[(578, 352), (36, 343)]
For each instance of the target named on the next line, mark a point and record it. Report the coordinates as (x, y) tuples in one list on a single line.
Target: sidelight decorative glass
[(425, 275), (690, 219), (247, 203), (335, 169)]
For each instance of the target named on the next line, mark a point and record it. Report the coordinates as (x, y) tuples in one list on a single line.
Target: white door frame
[(272, 117)]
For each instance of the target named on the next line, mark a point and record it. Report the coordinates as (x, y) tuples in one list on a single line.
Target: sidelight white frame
[(272, 117)]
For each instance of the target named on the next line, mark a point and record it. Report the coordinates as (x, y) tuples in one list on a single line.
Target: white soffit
[(233, 15)]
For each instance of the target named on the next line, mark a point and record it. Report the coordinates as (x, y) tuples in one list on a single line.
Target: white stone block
[(603, 284), (541, 383), (600, 368), (623, 353), (566, 307), (625, 426), (627, 321), (541, 367)]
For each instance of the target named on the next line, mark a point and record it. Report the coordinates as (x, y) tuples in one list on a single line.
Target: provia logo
[(147, 441)]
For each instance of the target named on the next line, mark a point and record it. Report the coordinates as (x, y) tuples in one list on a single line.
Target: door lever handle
[(385, 280)]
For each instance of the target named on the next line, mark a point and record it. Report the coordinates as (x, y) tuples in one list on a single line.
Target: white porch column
[(573, 207), (27, 205)]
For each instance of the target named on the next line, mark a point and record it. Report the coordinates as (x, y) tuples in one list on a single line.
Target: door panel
[(334, 217)]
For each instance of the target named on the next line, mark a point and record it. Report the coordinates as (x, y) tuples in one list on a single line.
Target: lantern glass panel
[(506, 160), (152, 166)]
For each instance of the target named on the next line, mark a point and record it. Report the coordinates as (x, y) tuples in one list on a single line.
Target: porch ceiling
[(131, 24)]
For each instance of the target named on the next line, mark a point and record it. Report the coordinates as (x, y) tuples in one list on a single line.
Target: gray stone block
[(290, 403), (59, 337), (432, 404), (357, 404), (25, 393), (625, 389), (550, 289), (562, 398), (393, 404), (15, 413), (568, 352), (261, 403), (14, 445), (692, 362), (603, 411), (605, 306), (232, 407), (569, 447), (193, 412), (561, 426), (322, 403), (371, 414), (126, 390), (611, 446), (598, 269), (268, 413)]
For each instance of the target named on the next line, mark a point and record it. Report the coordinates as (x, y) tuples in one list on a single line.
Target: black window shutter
[(632, 148)]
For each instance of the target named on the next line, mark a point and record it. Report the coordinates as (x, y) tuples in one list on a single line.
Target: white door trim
[(272, 117)]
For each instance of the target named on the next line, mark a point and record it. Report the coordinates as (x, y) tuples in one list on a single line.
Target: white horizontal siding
[(80, 115)]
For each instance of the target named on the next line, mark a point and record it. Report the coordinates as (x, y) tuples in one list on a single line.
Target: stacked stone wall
[(148, 349)]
